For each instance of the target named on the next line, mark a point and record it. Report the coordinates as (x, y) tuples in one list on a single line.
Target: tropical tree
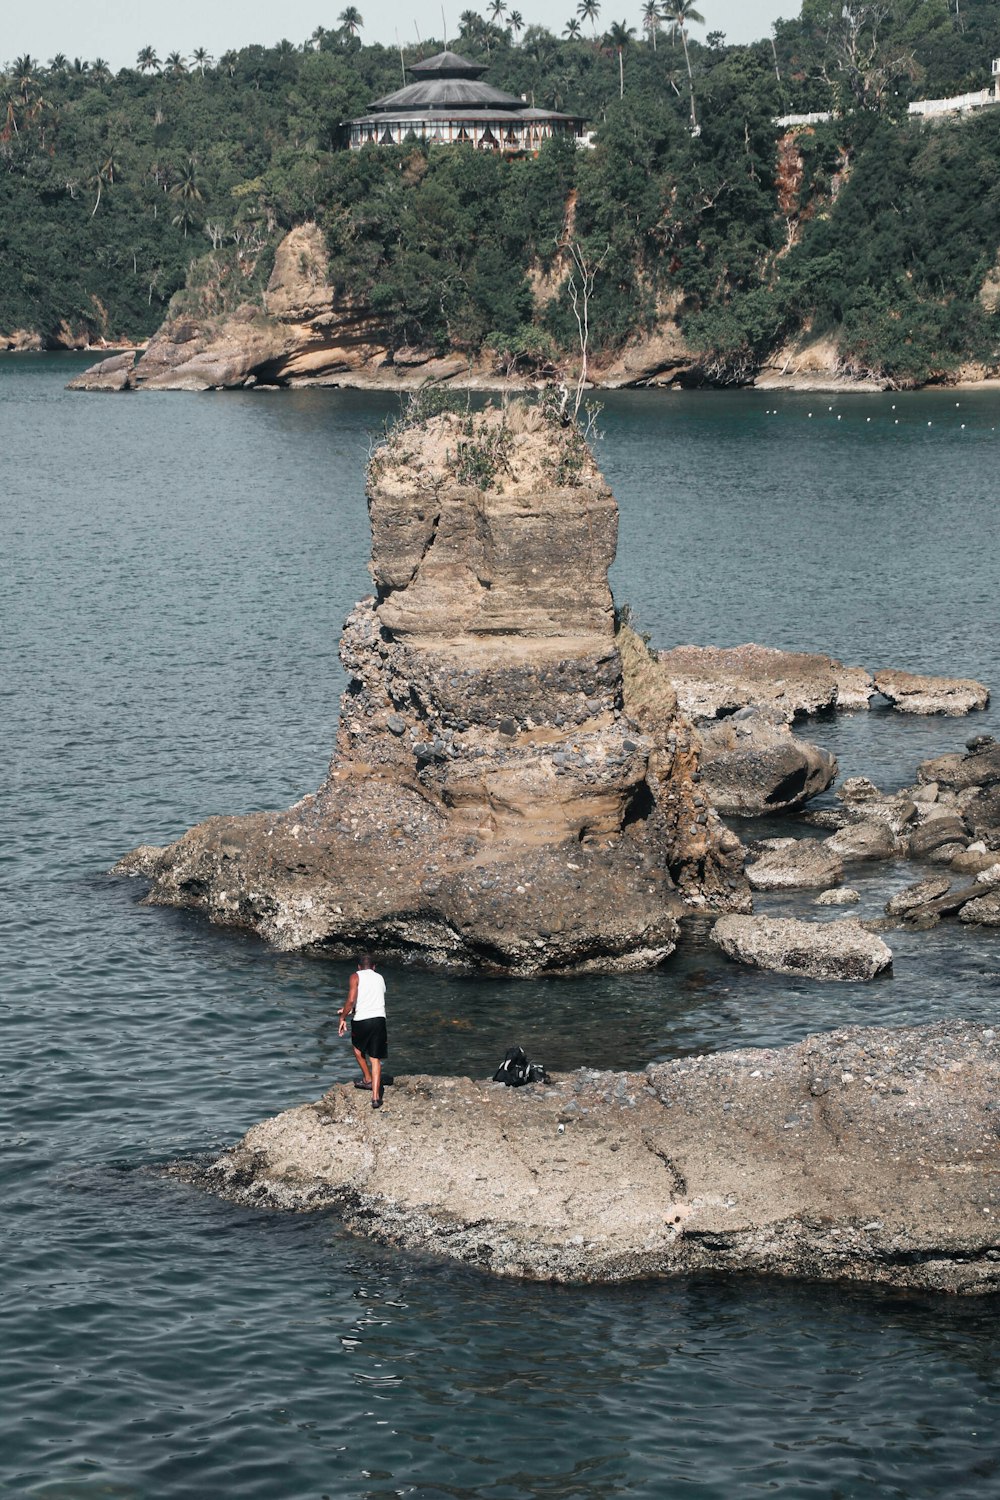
[(469, 24), (651, 19), (100, 69), (229, 60), (175, 64), (619, 35), (81, 67), (24, 75), (351, 20), (498, 9), (147, 61), (680, 14), (188, 191), (202, 59), (12, 108), (318, 37), (572, 29), (515, 21), (59, 63), (589, 10)]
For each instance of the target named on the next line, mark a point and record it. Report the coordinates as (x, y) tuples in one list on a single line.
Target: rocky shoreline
[(304, 333), (862, 1154)]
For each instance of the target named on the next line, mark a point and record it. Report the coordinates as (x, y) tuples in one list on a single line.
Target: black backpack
[(516, 1070)]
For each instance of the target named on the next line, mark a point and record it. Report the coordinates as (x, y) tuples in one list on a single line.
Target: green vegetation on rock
[(874, 230)]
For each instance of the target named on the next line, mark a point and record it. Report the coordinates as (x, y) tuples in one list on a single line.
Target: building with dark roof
[(450, 105)]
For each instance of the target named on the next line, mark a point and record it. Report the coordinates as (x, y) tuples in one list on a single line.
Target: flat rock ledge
[(713, 682), (859, 1155), (842, 950)]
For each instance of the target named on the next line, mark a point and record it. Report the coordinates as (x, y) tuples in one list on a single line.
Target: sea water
[(176, 570)]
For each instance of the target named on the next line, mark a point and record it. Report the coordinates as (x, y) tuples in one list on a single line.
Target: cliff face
[(504, 792), (302, 332)]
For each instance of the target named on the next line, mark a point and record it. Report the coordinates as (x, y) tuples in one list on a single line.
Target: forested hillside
[(871, 228)]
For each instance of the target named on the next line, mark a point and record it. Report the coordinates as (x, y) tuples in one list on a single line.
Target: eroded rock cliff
[(513, 787)]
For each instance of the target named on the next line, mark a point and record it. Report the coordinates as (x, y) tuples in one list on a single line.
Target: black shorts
[(370, 1037)]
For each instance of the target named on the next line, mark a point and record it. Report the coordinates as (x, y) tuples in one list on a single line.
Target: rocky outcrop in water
[(910, 693), (713, 682), (513, 787), (841, 950), (859, 1155), (794, 864), (752, 763), (302, 332)]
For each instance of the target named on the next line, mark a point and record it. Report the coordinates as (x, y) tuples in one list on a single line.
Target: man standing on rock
[(365, 1005)]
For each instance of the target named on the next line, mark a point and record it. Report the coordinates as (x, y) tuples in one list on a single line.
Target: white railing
[(960, 103), (818, 117)]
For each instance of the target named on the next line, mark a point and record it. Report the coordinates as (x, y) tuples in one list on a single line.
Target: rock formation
[(512, 787), (860, 1155), (302, 332), (752, 763), (794, 864), (912, 694), (842, 950), (715, 681)]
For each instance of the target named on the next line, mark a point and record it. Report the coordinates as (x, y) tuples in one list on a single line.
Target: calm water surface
[(176, 570)]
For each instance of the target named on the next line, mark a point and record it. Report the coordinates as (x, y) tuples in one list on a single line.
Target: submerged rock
[(841, 950), (513, 788), (860, 1155)]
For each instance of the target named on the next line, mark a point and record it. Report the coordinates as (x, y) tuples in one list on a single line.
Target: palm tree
[(589, 10), (498, 9), (680, 14), (23, 75), (515, 21), (229, 60), (147, 61), (100, 69), (175, 64), (12, 107), (187, 189), (59, 63), (351, 20), (318, 37), (81, 67), (619, 37), (202, 58), (651, 20), (184, 218), (470, 24), (572, 29)]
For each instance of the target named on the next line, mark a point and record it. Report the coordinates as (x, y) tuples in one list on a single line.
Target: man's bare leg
[(376, 1077), (362, 1065)]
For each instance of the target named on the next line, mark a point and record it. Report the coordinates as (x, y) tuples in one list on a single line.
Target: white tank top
[(371, 995)]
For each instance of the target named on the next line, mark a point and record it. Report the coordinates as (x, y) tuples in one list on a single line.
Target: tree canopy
[(117, 190)]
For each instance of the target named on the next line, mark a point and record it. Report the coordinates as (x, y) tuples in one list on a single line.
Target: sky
[(116, 29)]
